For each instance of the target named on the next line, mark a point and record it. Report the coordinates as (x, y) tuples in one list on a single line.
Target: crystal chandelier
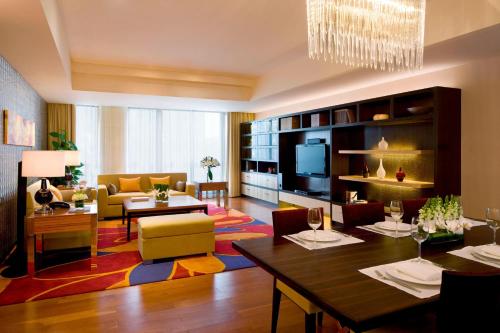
[(378, 34)]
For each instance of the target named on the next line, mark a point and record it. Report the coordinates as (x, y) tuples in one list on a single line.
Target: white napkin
[(493, 250), (419, 271)]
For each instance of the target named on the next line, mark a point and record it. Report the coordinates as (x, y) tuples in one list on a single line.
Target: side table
[(62, 220), (213, 186)]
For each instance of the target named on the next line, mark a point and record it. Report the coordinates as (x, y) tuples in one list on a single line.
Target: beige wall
[(480, 84)]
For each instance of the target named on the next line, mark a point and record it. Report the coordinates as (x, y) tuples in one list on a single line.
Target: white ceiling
[(262, 38)]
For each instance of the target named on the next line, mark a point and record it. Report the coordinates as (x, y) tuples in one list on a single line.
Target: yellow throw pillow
[(164, 181), (130, 184)]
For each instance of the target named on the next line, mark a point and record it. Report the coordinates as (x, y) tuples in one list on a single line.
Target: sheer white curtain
[(175, 141), (88, 141)]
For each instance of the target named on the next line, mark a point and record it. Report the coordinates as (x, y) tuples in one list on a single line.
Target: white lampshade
[(72, 157), (43, 163)]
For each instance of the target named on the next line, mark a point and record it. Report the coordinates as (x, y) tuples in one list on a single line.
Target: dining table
[(330, 277)]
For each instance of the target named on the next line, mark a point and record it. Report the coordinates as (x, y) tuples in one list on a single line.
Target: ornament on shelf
[(366, 171), (383, 145), (400, 175), (381, 171)]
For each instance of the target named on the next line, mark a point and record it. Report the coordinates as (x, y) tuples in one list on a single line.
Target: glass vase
[(79, 204)]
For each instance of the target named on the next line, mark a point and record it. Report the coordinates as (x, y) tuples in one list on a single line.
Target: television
[(311, 160)]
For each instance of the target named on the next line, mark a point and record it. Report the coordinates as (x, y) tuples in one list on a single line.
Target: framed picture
[(17, 130)]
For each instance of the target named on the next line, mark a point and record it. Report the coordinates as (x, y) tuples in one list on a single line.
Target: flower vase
[(210, 175), (79, 204), (381, 170)]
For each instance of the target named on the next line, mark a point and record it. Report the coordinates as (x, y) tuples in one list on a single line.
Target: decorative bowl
[(419, 109)]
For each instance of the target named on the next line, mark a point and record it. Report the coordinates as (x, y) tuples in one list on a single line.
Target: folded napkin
[(492, 250), (419, 271)]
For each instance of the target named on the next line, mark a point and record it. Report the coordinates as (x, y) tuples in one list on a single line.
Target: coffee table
[(176, 205)]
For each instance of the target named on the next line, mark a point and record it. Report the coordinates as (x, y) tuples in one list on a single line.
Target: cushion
[(112, 189), (130, 184), (174, 193), (117, 199), (175, 225), (164, 181), (180, 186)]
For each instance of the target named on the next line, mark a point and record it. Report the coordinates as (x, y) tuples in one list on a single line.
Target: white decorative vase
[(383, 145), (381, 171)]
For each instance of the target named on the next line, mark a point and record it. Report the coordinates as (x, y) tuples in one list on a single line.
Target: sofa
[(60, 240), (110, 205)]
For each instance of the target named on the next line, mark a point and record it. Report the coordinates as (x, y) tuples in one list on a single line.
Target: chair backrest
[(291, 221), (360, 214), (411, 208), (469, 302)]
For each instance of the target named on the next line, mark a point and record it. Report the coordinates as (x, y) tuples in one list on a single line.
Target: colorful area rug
[(119, 263)]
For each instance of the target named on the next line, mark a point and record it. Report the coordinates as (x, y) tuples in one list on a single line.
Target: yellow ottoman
[(175, 235)]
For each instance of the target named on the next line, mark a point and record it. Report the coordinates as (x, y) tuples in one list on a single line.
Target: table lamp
[(72, 159), (43, 163)]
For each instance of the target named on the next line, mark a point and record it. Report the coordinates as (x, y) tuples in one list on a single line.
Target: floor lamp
[(34, 163)]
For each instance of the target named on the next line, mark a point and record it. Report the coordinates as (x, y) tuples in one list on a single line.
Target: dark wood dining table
[(330, 278)]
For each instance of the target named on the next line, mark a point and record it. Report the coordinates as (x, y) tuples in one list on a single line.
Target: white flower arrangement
[(445, 215), (79, 195), (209, 162)]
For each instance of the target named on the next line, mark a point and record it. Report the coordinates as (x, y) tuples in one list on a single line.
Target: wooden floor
[(237, 301)]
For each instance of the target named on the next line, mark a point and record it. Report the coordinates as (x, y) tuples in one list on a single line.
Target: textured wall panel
[(16, 95)]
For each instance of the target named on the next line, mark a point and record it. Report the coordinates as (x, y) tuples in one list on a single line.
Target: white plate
[(393, 272), (480, 251), (389, 225), (321, 236)]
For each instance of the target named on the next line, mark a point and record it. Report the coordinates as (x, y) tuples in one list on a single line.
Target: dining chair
[(469, 302), (286, 222), (411, 208), (360, 214)]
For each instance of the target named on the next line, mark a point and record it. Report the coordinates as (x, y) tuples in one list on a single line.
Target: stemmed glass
[(493, 220), (314, 219), (397, 212), (419, 232)]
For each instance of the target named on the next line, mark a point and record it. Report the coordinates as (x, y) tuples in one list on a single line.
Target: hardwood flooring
[(237, 301)]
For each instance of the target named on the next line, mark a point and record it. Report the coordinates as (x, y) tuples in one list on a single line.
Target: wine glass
[(419, 232), (396, 212), (314, 219), (493, 220)]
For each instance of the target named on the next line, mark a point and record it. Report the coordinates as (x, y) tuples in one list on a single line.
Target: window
[(153, 141)]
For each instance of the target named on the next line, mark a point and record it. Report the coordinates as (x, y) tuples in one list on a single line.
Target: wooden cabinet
[(260, 186)]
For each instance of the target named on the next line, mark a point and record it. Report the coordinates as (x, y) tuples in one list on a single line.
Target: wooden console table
[(62, 220), (213, 186)]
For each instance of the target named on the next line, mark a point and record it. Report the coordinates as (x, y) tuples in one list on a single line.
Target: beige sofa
[(111, 205)]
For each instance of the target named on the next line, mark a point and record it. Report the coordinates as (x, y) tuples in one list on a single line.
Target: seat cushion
[(117, 199), (173, 193), (174, 225)]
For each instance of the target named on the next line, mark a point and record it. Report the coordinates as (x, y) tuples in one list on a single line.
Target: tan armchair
[(111, 205)]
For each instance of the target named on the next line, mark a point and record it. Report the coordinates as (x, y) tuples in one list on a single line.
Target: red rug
[(119, 263)]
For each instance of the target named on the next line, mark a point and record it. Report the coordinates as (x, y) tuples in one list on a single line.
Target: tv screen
[(311, 160)]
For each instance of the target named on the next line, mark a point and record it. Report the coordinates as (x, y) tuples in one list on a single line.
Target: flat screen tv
[(311, 160)]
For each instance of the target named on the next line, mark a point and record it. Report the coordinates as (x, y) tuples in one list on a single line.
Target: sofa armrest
[(191, 189), (102, 199)]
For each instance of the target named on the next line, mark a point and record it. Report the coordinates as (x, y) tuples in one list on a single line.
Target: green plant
[(61, 142)]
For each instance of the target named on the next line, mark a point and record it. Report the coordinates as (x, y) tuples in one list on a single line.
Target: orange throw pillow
[(130, 184), (164, 181)]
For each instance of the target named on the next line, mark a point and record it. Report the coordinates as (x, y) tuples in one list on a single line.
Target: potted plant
[(79, 197), (209, 162), (62, 142), (445, 217), (161, 192)]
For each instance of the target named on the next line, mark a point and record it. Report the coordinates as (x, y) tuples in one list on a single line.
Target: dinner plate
[(480, 251), (389, 225), (396, 274), (321, 236)]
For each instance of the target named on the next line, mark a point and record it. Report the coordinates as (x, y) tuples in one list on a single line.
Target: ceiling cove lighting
[(377, 34)]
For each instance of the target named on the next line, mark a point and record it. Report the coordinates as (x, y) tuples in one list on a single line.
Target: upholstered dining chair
[(286, 222), (469, 302), (411, 208), (361, 214)]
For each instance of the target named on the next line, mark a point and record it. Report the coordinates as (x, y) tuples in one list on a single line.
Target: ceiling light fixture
[(378, 34)]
